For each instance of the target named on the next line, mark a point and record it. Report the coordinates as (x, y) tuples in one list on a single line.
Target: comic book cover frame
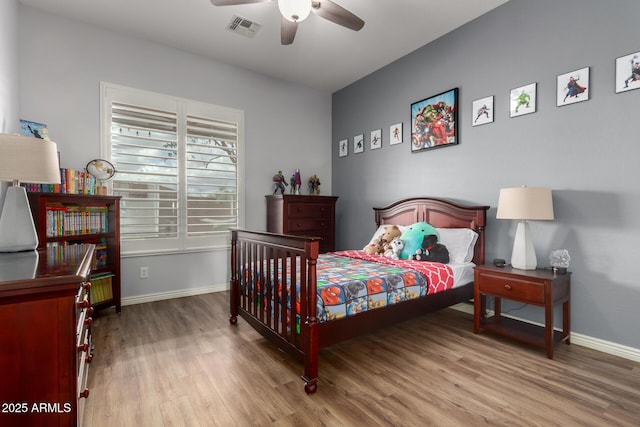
[(441, 130), (626, 74), (572, 87)]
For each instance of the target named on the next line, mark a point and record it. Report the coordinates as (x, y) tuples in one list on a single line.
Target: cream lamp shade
[(29, 160), (525, 204)]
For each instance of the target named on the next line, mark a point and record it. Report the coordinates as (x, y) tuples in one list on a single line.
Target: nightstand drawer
[(514, 289), (310, 210)]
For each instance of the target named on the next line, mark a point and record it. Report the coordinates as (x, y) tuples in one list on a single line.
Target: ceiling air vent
[(243, 26)]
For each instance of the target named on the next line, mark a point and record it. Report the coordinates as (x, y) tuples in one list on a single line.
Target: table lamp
[(524, 204), (30, 160)]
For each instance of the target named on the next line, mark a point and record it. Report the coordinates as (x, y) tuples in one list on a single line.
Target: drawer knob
[(90, 311), (83, 347), (507, 287), (89, 358), (87, 285), (84, 393), (88, 321), (83, 304)]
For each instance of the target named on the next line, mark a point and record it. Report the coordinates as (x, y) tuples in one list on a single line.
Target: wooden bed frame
[(250, 250)]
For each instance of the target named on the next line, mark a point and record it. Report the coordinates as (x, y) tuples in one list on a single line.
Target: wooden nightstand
[(543, 288)]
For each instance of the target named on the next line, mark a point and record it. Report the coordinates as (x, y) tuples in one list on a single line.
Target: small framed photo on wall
[(343, 147), (628, 72), (395, 134), (358, 143), (376, 139), (573, 87), (482, 111), (523, 100)]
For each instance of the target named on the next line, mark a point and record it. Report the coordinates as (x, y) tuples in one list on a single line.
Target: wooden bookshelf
[(68, 219)]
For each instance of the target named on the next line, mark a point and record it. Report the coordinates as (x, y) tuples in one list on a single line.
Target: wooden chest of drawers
[(45, 340), (311, 216)]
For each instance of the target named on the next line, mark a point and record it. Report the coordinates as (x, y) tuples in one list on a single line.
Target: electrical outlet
[(144, 272)]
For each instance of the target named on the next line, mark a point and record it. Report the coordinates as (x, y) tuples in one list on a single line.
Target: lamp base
[(523, 256), (17, 230)]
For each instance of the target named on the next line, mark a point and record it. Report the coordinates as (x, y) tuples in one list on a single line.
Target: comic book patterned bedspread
[(349, 282)]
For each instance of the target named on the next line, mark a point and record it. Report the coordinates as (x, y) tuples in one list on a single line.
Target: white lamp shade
[(295, 10), (529, 203), (28, 159), (525, 203)]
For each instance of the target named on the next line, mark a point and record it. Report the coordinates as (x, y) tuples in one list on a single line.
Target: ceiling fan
[(294, 11)]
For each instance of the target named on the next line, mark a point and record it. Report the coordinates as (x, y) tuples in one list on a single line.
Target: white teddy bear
[(396, 246)]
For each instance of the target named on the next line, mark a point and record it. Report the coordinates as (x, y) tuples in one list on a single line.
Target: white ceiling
[(324, 55)]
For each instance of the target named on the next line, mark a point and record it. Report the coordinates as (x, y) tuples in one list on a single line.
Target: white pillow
[(380, 230), (460, 242)]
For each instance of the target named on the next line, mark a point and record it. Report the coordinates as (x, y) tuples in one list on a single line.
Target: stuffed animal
[(376, 247), (394, 248), (432, 251), (413, 237)]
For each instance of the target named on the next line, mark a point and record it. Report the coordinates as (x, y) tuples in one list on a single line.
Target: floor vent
[(243, 26)]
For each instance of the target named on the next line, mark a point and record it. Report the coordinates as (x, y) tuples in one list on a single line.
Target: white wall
[(62, 63), (8, 72)]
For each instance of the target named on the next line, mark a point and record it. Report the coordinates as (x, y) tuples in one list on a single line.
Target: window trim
[(181, 244)]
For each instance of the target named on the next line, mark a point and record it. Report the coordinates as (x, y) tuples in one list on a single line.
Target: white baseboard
[(141, 299), (577, 339)]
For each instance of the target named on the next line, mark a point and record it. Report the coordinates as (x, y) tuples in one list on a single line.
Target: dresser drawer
[(316, 226), (309, 210), (510, 288)]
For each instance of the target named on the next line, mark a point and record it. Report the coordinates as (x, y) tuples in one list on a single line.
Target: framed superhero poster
[(628, 72), (522, 100), (573, 87), (434, 121)]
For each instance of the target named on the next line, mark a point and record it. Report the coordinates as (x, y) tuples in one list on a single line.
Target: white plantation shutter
[(212, 174), (177, 169)]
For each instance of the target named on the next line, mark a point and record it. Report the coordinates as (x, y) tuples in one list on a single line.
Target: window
[(178, 164)]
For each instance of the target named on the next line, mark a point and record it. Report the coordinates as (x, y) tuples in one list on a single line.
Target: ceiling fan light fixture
[(295, 10)]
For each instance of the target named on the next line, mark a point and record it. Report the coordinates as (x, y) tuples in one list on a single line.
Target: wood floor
[(180, 363)]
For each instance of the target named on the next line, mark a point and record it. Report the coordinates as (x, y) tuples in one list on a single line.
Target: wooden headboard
[(439, 213)]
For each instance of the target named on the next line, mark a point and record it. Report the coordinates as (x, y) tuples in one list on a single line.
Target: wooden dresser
[(45, 338), (311, 216)]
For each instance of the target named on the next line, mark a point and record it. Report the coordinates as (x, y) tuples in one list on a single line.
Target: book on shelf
[(100, 253), (71, 182), (101, 288), (63, 220)]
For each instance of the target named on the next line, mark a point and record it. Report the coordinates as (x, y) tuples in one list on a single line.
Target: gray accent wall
[(586, 152)]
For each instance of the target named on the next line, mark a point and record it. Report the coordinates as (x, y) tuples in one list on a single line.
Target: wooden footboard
[(265, 268)]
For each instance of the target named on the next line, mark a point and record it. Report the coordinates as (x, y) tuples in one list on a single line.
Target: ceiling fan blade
[(236, 2), (287, 31), (337, 14)]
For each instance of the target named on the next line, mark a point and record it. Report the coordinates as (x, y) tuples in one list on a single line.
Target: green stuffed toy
[(413, 237)]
